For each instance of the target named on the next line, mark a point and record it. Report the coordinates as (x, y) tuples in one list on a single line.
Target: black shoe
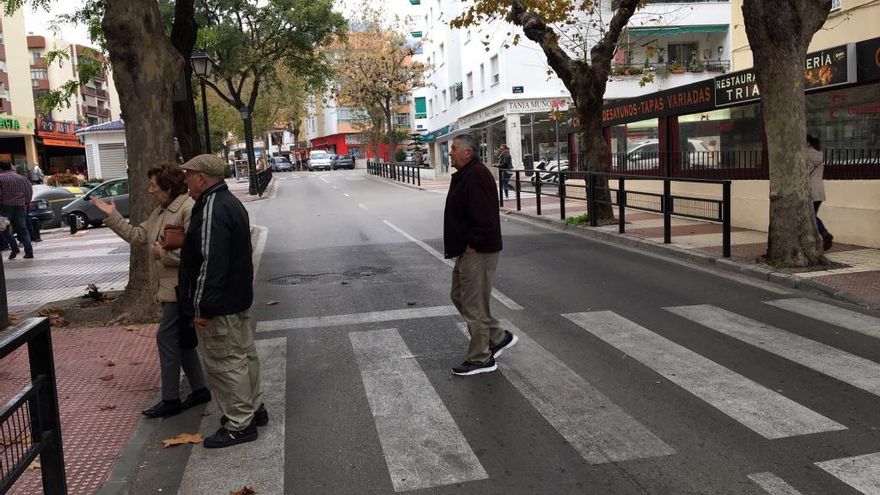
[(164, 409), (28, 256), (261, 417), (508, 342), (13, 254), (469, 368), (226, 438), (197, 397)]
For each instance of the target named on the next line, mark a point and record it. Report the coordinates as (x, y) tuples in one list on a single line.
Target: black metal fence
[(539, 184), (30, 425), (747, 164), (396, 171)]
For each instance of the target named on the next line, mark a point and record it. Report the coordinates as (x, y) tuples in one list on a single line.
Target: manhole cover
[(359, 273)]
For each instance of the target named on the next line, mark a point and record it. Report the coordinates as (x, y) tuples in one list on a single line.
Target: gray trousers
[(172, 357), (472, 280)]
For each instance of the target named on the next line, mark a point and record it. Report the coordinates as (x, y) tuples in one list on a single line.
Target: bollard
[(71, 220)]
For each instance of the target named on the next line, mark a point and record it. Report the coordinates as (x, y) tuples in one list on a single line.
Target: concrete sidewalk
[(853, 276)]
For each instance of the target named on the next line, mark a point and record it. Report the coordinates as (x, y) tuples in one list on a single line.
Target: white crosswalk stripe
[(423, 446), (595, 426), (852, 320), (758, 408), (860, 472), (854, 370), (772, 484)]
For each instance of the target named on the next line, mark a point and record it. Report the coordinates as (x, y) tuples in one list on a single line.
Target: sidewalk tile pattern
[(92, 437)]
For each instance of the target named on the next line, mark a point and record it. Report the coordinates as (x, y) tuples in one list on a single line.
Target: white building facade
[(481, 83)]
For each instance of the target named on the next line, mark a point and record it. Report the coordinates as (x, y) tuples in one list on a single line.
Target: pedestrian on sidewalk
[(216, 291), (505, 165), (15, 196), (472, 235), (816, 169), (176, 337)]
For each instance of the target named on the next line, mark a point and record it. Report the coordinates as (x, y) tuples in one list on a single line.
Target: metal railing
[(30, 425), (400, 172), (840, 164), (539, 184)]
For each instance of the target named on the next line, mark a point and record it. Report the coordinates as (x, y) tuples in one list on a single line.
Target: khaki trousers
[(233, 367), (472, 278)]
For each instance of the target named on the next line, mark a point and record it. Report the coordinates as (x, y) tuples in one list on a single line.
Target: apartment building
[(17, 125), (502, 93), (95, 102)]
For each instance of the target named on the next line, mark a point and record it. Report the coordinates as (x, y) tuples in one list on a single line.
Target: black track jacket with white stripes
[(216, 269)]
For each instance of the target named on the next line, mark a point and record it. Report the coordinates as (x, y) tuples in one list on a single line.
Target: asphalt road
[(634, 374)]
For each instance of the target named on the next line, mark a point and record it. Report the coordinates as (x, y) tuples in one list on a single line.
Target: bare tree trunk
[(145, 67), (780, 33), (183, 37), (596, 158), (391, 155)]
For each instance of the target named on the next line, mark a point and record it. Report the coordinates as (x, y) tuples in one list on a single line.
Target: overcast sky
[(41, 22)]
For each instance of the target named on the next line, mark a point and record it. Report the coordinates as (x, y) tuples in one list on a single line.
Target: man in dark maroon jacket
[(472, 235)]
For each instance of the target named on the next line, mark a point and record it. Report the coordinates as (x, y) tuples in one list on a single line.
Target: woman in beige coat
[(174, 208), (816, 169)]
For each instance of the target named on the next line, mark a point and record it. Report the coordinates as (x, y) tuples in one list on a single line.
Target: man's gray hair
[(468, 141)]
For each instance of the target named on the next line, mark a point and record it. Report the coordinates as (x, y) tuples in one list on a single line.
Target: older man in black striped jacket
[(215, 285)]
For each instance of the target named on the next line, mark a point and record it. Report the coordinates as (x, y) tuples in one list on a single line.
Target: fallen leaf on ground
[(55, 315), (109, 363), (106, 378), (206, 413), (183, 438), (34, 466), (245, 490), (108, 407), (9, 442), (14, 319), (271, 303), (131, 328), (81, 233)]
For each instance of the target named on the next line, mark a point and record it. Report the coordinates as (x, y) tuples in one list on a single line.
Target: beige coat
[(163, 272), (816, 169)]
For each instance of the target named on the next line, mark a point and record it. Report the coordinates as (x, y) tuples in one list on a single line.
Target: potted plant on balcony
[(676, 68), (697, 67)]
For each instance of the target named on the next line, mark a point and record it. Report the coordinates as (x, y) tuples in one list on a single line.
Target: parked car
[(47, 203), (281, 164), (85, 213), (342, 161), (320, 160), (645, 155)]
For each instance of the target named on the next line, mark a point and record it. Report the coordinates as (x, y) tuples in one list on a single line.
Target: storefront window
[(544, 140), (727, 138), (847, 122), (635, 147)]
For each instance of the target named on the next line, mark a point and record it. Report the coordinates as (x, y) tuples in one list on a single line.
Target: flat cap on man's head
[(207, 164)]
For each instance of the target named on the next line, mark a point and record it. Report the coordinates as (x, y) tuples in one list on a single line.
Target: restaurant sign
[(17, 125), (822, 69), (693, 98), (868, 56)]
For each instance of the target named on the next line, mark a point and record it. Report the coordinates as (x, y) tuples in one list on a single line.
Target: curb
[(396, 183), (724, 264)]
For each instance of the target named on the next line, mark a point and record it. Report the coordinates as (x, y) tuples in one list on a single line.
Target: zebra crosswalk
[(424, 446)]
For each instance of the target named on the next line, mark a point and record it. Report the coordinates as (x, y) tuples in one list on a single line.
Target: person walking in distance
[(175, 338), (472, 236), (816, 169), (505, 165), (216, 290), (15, 196)]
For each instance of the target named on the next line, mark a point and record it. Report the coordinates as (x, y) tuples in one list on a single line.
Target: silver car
[(84, 213)]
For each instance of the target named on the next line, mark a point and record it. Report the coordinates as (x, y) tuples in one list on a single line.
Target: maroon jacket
[(471, 217)]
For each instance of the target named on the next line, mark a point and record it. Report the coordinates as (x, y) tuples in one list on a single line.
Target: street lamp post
[(249, 144), (202, 65)]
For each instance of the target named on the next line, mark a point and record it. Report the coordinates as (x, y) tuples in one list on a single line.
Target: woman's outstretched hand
[(102, 205)]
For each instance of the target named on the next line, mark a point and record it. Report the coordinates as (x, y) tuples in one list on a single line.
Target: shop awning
[(676, 30)]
